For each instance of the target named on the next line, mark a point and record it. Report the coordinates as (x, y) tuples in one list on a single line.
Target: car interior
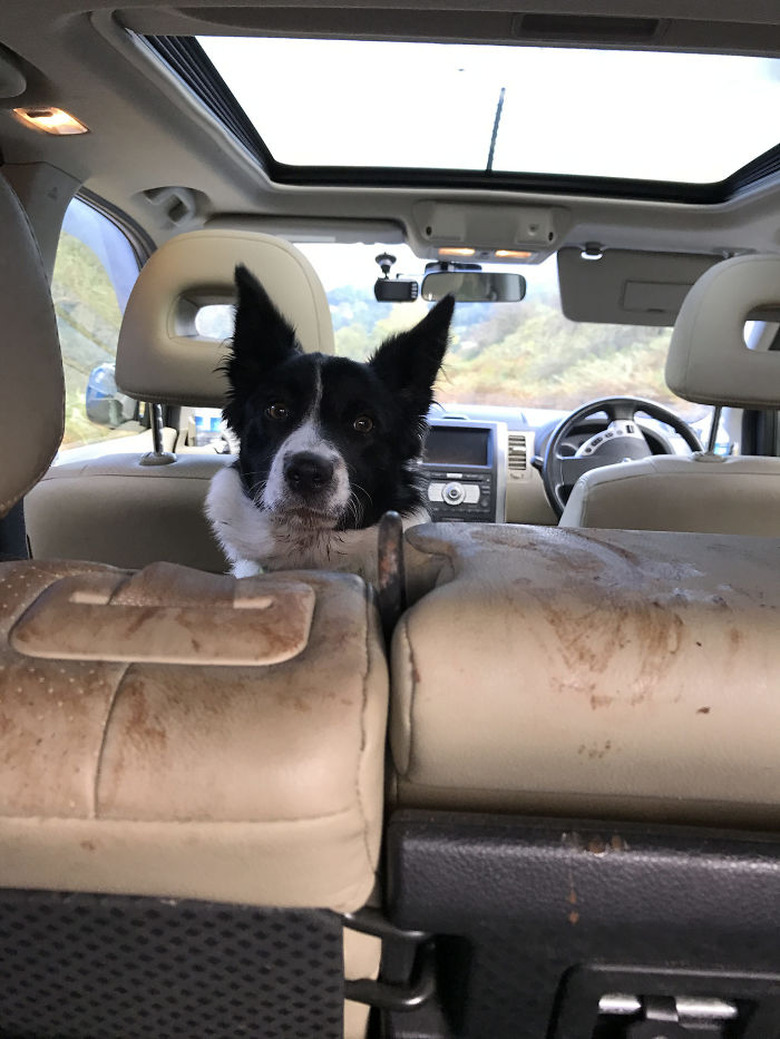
[(527, 786)]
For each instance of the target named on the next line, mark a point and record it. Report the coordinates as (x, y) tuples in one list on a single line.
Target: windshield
[(524, 354)]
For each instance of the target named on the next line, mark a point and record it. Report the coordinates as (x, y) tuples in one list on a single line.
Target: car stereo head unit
[(464, 464)]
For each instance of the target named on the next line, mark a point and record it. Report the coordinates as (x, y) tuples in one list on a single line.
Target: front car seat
[(708, 363), (132, 510)]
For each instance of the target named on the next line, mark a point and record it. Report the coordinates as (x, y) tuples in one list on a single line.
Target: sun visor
[(627, 287)]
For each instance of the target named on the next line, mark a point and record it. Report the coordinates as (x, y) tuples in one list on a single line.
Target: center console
[(464, 463)]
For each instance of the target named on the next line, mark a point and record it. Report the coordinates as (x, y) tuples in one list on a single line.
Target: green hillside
[(518, 353), (88, 319)]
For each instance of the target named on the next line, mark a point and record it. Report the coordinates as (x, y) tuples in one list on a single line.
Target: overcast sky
[(614, 113)]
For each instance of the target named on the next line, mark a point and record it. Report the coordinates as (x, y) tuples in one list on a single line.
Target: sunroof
[(690, 118)]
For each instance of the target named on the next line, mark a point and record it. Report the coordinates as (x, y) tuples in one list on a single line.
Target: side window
[(95, 270)]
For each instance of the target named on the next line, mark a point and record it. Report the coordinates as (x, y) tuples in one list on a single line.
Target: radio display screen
[(456, 446)]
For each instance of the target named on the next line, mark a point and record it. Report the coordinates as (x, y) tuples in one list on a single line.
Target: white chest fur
[(255, 540)]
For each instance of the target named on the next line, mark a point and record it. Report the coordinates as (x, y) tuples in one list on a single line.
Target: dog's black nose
[(306, 472)]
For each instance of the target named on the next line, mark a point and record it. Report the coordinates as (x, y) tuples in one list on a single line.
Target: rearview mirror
[(474, 286)]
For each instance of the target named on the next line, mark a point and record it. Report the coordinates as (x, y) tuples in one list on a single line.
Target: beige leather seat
[(191, 767), (129, 510), (708, 363), (619, 673), (586, 780)]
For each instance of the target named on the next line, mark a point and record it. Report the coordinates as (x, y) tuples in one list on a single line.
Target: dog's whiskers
[(356, 508), (257, 489)]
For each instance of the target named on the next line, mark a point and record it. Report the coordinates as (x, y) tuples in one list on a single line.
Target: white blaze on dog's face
[(326, 442), (308, 478)]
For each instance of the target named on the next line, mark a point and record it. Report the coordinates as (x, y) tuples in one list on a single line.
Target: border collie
[(327, 445)]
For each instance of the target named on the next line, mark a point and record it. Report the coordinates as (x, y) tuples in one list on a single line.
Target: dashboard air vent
[(518, 453)]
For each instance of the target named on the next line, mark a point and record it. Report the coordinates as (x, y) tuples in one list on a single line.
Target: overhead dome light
[(50, 120), (514, 254)]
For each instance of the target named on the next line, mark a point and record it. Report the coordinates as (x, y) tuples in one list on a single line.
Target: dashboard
[(481, 461), (480, 470)]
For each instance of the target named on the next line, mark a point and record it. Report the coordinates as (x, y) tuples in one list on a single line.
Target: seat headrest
[(708, 360), (160, 356), (32, 389)]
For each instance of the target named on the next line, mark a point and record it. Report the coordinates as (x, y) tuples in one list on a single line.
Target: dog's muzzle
[(308, 474)]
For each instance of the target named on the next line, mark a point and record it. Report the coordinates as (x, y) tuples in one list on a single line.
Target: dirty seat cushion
[(590, 672), (183, 734)]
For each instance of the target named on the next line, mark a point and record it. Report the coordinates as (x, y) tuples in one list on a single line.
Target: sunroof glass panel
[(643, 115)]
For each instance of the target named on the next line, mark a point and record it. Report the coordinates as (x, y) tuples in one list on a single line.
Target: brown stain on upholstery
[(600, 701), (53, 711), (595, 751), (144, 727)]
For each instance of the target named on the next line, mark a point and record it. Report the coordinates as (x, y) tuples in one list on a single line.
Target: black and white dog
[(327, 445)]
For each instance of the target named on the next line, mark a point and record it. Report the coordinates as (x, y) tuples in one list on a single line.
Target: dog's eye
[(277, 411), (363, 424)]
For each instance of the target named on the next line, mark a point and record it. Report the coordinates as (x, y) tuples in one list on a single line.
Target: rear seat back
[(197, 755), (631, 673), (199, 729), (587, 786)]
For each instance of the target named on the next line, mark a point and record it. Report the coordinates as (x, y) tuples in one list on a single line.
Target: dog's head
[(327, 442)]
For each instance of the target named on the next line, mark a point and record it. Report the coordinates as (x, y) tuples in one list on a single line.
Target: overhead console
[(491, 233)]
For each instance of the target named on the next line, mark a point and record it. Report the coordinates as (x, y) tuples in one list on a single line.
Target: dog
[(327, 444)]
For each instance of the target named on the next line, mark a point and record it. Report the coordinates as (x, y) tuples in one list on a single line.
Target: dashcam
[(395, 290)]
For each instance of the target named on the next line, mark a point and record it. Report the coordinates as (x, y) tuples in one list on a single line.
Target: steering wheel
[(621, 439)]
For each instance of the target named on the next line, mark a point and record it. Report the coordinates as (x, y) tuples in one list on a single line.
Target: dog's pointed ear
[(262, 339), (409, 362)]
